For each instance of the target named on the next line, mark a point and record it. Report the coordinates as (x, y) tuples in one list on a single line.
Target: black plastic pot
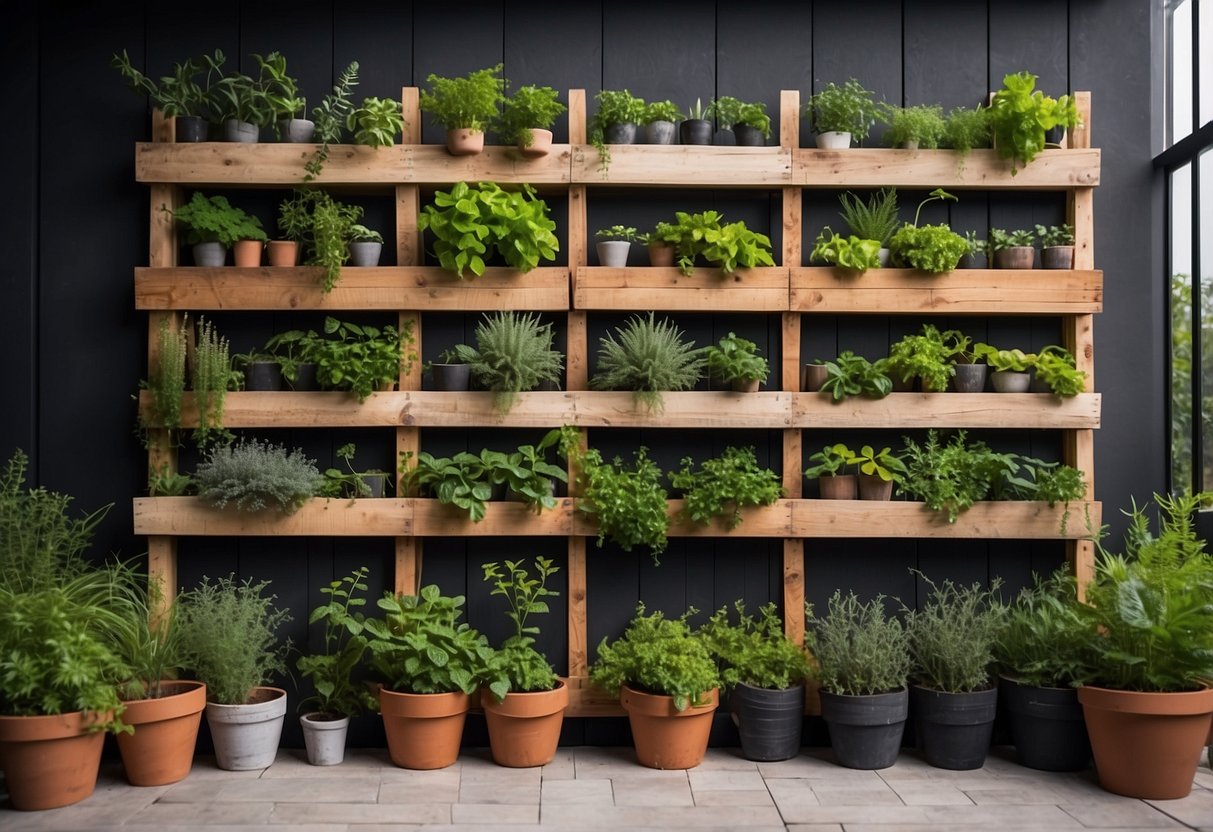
[(970, 378), (619, 133), (748, 136), (972, 261), (954, 729), (305, 377), (768, 721), (263, 375), (865, 731), (1047, 726), (451, 377), (695, 131), (191, 129), (724, 138)]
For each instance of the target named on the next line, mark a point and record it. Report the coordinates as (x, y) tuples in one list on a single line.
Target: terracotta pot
[(161, 750), (815, 375), (1146, 745), (464, 142), (872, 487), (837, 487), (744, 385), (525, 728), (1057, 257), (49, 761), (666, 738), (661, 254), (282, 252), (423, 729), (247, 253), (1015, 257), (541, 143)]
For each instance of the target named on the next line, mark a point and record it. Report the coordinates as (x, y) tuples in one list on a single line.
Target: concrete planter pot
[(1009, 381), (365, 254), (619, 133), (970, 378), (660, 132), (695, 131), (265, 376), (246, 736), (209, 255), (296, 130), (235, 130), (324, 737), (613, 253)]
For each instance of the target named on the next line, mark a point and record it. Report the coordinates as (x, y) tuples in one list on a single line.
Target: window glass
[(1181, 328), (1180, 46), (1205, 59), (1205, 207)]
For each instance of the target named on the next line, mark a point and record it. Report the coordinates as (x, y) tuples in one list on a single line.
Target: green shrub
[(513, 353), (930, 248), (736, 359), (461, 480), (1055, 367), (212, 374), (1001, 239), (336, 691), (167, 383), (928, 355), (377, 122), (860, 650), (1055, 235), (253, 475), (215, 220), (923, 123), (517, 665), (952, 636), (853, 375), (468, 222), (661, 111), (529, 108), (846, 109), (1020, 115), (754, 651), (966, 129), (647, 358), (729, 246), (469, 102), (875, 219), (1044, 638), (724, 485), (831, 461)]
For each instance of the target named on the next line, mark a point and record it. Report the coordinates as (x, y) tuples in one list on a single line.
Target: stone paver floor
[(593, 788)]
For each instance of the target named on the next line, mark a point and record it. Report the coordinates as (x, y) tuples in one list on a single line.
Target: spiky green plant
[(212, 367), (648, 357), (952, 635), (860, 649), (875, 219), (168, 380), (514, 353)]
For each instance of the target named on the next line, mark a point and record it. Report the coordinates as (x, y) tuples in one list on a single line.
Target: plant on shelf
[(356, 357), (211, 377), (254, 475), (927, 356), (281, 92), (164, 482), (978, 247), (724, 485), (1054, 366), (951, 476), (1055, 235), (851, 254), (853, 375), (460, 481), (240, 101), (619, 233), (377, 122), (1008, 361), (617, 109), (362, 234), (470, 104), (513, 354), (215, 220), (735, 360), (529, 109), (728, 246), (967, 129), (831, 461), (330, 117), (516, 666), (884, 464), (917, 127), (849, 109), (1020, 115), (528, 475), (349, 483), (467, 222), (875, 219), (167, 381), (647, 357), (660, 122), (177, 95), (332, 223), (929, 248), (731, 113)]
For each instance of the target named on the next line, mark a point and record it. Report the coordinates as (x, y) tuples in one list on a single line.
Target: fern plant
[(875, 219), (330, 116), (254, 475), (513, 353), (860, 650), (647, 357)]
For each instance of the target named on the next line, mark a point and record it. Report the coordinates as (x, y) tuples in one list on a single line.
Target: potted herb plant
[(863, 662), (179, 95), (919, 126), (529, 477), (1055, 369), (667, 682), (451, 372), (1056, 246), (925, 356), (241, 105), (852, 256), (661, 122), (468, 222), (729, 246), (214, 225), (614, 245), (465, 107), (647, 358), (695, 127), (336, 695), (764, 673), (736, 362), (461, 480), (282, 95), (839, 114), (970, 371), (1009, 369), (229, 635), (749, 122), (724, 485), (830, 472), (260, 371), (661, 243), (366, 245), (930, 248), (295, 225), (522, 697), (875, 219), (359, 358), (878, 471), (813, 375), (377, 122), (966, 129), (1020, 115), (253, 475), (1012, 250), (330, 117), (614, 122), (528, 118), (977, 257), (853, 375), (513, 354), (352, 483), (430, 664)]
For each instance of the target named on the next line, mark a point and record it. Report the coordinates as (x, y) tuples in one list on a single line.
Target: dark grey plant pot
[(1057, 257), (1047, 726), (548, 386), (305, 378), (1055, 136), (970, 378), (813, 377), (210, 255), (297, 130), (240, 131), (954, 729), (695, 131), (451, 377), (748, 136), (620, 133), (972, 261), (865, 731), (724, 138), (377, 483), (768, 721), (1010, 381), (365, 254), (263, 376), (191, 129), (659, 132)]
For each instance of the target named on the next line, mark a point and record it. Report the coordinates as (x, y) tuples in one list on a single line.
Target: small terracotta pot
[(247, 253), (872, 487), (464, 142), (423, 729), (740, 385), (525, 727), (541, 143), (49, 761), (161, 750), (1015, 257), (661, 254), (814, 376), (666, 738), (837, 487), (282, 252), (1057, 257)]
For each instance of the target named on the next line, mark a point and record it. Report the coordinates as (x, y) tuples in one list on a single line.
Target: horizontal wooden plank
[(669, 290), (684, 166), (385, 287), (996, 520), (190, 516), (229, 164), (926, 169), (954, 410), (505, 519), (962, 292)]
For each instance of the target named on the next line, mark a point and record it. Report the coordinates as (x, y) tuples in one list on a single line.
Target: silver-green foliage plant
[(1044, 639), (470, 222), (212, 371), (229, 632), (966, 129), (875, 219), (952, 636), (471, 101), (517, 665), (755, 651), (860, 649), (514, 353), (724, 485), (647, 357), (254, 475)]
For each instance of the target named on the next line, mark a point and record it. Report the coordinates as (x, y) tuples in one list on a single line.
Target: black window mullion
[(1198, 457)]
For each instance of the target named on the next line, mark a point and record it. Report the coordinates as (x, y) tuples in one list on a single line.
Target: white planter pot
[(833, 140), (882, 257), (246, 736), (324, 738), (614, 253), (365, 254)]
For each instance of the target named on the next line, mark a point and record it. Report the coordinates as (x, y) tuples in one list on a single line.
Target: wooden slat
[(962, 292), (926, 169), (433, 519), (953, 410), (162, 568), (669, 290), (757, 521), (385, 287), (994, 521), (187, 516), (407, 566), (684, 166)]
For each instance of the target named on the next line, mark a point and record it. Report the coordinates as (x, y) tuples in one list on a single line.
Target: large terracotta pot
[(1146, 745), (161, 750), (423, 729), (666, 738), (49, 761), (524, 729)]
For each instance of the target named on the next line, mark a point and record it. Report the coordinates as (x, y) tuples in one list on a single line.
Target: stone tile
[(204, 768), (725, 759), (171, 814), (79, 816), (934, 827), (501, 776), (1195, 810), (410, 791), (494, 813), (787, 792), (847, 815), (726, 779), (599, 763), (500, 793), (360, 813), (562, 767), (815, 827), (929, 793), (363, 789), (292, 762), (194, 791), (807, 765), (648, 792), (1130, 813), (1018, 795), (727, 797), (582, 792), (435, 778), (831, 795), (661, 817), (1009, 817)]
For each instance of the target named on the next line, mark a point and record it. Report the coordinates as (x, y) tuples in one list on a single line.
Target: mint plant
[(467, 222)]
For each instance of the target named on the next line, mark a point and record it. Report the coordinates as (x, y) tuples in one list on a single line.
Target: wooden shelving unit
[(166, 290)]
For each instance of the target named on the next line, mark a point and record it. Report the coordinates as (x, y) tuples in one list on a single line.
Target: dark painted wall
[(76, 225)]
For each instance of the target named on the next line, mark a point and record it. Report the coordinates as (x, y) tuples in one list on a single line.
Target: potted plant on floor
[(830, 472), (912, 128), (214, 225), (660, 122), (614, 244), (667, 682), (875, 219), (930, 248), (647, 358), (178, 96), (1056, 246), (430, 664), (736, 362), (465, 107), (863, 662), (470, 222), (1009, 369), (229, 635), (1147, 700), (337, 695), (695, 127), (522, 697), (513, 354), (1020, 115), (724, 485), (952, 639), (839, 114), (1012, 250), (528, 118), (764, 673)]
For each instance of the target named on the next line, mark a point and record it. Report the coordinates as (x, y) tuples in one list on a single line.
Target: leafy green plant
[(281, 91), (167, 383), (952, 636), (336, 691), (966, 129), (647, 357), (1055, 235), (362, 234), (614, 107), (622, 233), (927, 355), (163, 482), (513, 353), (754, 651), (929, 248), (699, 112), (461, 480), (978, 247), (922, 123), (517, 665), (736, 359), (469, 102), (147, 635), (832, 460), (348, 483), (730, 112), (527, 473), (884, 464), (860, 650), (241, 97), (177, 94), (845, 109), (254, 475), (1020, 115), (1015, 361), (215, 220), (467, 222), (1044, 637), (356, 357), (661, 111), (377, 122), (529, 108), (420, 646), (853, 375), (1055, 367), (875, 219), (212, 369), (659, 656), (851, 253), (1000, 239), (330, 116), (628, 503), (332, 223), (724, 485), (295, 216), (951, 476), (729, 246), (229, 635)]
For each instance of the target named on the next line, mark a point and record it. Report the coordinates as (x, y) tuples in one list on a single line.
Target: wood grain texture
[(926, 169), (669, 290), (953, 410), (684, 166), (1001, 520)]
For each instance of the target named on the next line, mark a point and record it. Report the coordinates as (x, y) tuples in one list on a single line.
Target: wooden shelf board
[(383, 288), (669, 290), (926, 169), (964, 291), (684, 166), (897, 519), (953, 410)]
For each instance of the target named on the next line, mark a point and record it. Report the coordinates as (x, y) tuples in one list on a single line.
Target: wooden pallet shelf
[(993, 521), (684, 166), (544, 289), (953, 410), (927, 169), (962, 292), (669, 290)]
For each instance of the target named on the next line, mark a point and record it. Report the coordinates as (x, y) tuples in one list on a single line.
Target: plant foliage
[(860, 650), (1020, 115), (336, 691), (723, 485), (467, 222), (530, 107), (254, 475), (647, 357), (736, 359), (853, 375), (517, 665), (377, 122), (754, 651), (875, 219), (922, 123), (513, 353), (471, 102), (215, 220), (846, 109), (952, 635), (851, 253), (1043, 641)]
